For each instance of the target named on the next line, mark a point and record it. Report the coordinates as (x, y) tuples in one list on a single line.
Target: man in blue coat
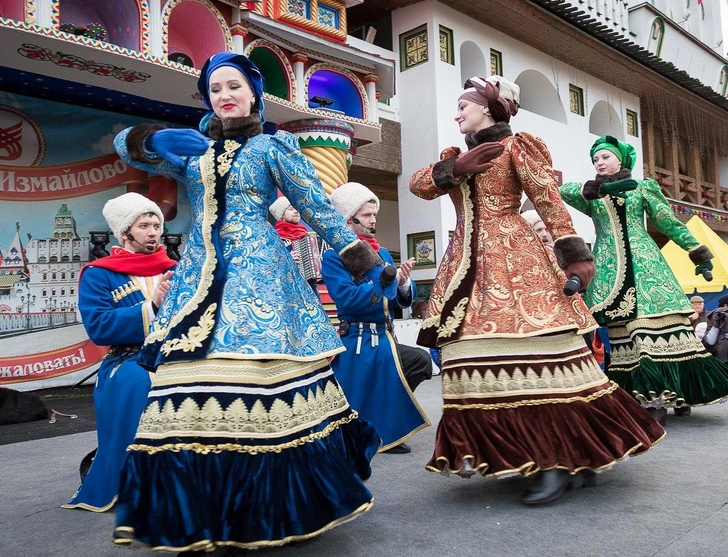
[(378, 375), (118, 297)]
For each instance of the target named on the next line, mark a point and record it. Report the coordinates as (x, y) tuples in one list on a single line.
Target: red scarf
[(137, 264), (290, 231), (371, 241)]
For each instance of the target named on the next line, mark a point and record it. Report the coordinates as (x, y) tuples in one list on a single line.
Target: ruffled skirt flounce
[(662, 362), (290, 465), (518, 406)]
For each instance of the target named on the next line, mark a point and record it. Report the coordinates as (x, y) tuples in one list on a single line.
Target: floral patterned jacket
[(633, 279), (496, 278)]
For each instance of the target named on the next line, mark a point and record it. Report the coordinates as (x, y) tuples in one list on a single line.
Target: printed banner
[(54, 363), (63, 181)]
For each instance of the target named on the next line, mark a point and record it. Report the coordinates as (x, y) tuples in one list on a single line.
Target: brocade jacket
[(633, 279), (496, 279)]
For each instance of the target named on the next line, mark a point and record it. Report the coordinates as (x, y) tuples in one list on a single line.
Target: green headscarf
[(623, 151)]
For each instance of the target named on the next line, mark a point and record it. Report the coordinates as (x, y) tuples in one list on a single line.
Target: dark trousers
[(416, 364)]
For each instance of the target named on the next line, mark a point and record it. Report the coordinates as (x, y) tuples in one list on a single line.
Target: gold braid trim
[(209, 214), (249, 449), (619, 244), (613, 387)]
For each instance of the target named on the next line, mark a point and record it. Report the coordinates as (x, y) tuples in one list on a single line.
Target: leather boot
[(684, 410), (552, 484)]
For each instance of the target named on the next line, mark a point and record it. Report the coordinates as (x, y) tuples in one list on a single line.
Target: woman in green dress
[(655, 353)]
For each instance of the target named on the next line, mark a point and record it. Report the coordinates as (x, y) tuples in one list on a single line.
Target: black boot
[(683, 410), (552, 484)]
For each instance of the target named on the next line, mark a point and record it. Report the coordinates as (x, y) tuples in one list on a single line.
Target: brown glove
[(477, 159), (582, 269)]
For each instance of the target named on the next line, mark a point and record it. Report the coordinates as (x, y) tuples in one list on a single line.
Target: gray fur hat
[(348, 198), (278, 207), (121, 212)]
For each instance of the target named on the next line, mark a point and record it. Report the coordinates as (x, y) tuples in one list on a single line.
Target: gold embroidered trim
[(249, 449), (453, 321), (621, 248), (477, 384), (225, 159), (681, 342), (562, 400), (235, 372), (195, 335), (626, 306), (237, 419), (209, 213)]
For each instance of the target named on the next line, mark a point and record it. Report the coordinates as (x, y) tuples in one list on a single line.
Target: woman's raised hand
[(477, 159)]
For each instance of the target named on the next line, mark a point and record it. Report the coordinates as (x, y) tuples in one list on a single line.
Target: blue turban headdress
[(242, 63)]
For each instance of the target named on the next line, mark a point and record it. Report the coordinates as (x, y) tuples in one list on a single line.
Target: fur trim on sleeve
[(699, 255), (442, 174), (591, 190), (359, 258), (135, 141), (570, 249)]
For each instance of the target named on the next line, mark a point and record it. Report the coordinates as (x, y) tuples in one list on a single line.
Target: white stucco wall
[(427, 97)]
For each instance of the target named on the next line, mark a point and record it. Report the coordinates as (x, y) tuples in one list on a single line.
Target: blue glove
[(384, 282), (172, 143)]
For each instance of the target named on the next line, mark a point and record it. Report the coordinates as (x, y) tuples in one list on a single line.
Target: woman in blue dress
[(247, 439)]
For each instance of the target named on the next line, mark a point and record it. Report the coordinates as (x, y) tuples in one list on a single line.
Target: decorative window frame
[(497, 56), (723, 81), (449, 55), (632, 123), (167, 13), (349, 75), (311, 23), (414, 243), (661, 32), (285, 62), (403, 38), (579, 92)]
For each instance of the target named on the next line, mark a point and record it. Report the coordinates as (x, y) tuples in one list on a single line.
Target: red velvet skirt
[(520, 405)]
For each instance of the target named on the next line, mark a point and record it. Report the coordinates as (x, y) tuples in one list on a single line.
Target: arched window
[(538, 95), (723, 81), (657, 33), (472, 61)]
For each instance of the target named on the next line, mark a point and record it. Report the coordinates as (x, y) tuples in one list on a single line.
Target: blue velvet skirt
[(243, 453)]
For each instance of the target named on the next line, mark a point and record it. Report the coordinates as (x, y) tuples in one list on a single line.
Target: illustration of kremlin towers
[(39, 281)]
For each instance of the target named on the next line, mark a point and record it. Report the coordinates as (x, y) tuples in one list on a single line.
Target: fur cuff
[(570, 249), (699, 255), (591, 190), (359, 258), (442, 174), (135, 142)]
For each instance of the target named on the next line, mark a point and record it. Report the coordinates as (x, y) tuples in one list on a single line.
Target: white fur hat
[(121, 212), (532, 217), (278, 207), (348, 198)]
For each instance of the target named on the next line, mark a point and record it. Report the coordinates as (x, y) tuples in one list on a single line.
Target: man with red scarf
[(290, 229), (378, 375), (118, 298)]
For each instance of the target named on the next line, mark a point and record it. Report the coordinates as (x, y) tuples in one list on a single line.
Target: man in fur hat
[(378, 375), (118, 297)]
